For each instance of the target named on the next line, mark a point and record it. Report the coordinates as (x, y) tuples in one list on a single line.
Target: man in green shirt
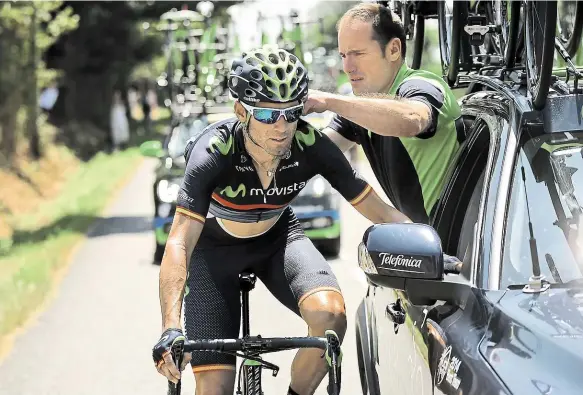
[(407, 121)]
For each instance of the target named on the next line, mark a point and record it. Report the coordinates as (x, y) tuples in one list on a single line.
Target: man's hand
[(163, 357), (451, 264), (316, 101)]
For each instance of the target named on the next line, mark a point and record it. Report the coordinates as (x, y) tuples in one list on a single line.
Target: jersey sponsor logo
[(279, 191), (244, 168), (295, 164), (288, 153), (234, 193), (219, 144), (184, 196), (308, 139)]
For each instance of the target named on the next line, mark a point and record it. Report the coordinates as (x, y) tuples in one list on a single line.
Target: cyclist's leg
[(300, 278), (212, 310)]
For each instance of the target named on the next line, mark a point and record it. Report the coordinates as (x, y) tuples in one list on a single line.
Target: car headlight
[(317, 187), (167, 190)]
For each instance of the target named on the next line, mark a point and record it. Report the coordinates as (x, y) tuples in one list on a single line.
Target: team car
[(317, 206), (510, 320)]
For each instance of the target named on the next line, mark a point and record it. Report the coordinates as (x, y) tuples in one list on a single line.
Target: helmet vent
[(270, 94), (282, 90), (282, 56), (293, 81), (293, 59), (249, 93), (256, 75), (255, 85), (289, 68), (300, 72), (239, 69), (234, 81), (252, 62), (269, 84), (260, 56), (273, 59), (280, 73)]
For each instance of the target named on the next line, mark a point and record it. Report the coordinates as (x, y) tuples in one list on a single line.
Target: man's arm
[(412, 112), (378, 212), (203, 169), (182, 239), (384, 115)]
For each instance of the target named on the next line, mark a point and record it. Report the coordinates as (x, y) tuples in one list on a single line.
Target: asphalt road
[(95, 335)]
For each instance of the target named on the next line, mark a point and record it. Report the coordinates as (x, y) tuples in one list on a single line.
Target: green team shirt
[(411, 170)]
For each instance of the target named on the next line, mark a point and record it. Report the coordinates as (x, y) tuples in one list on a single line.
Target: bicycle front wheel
[(570, 25), (451, 16), (540, 25)]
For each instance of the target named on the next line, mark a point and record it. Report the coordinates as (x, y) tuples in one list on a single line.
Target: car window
[(181, 134), (547, 192), (461, 187)]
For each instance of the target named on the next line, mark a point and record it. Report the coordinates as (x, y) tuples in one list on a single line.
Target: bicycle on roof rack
[(250, 349), (501, 37)]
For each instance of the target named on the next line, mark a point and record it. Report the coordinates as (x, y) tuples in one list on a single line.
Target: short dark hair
[(386, 24)]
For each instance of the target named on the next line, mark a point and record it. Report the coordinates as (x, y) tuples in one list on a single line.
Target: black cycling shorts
[(283, 258)]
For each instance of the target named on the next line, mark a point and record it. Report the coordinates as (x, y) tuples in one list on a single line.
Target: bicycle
[(253, 346)]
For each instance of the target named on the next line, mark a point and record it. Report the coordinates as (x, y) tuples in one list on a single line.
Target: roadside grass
[(45, 237)]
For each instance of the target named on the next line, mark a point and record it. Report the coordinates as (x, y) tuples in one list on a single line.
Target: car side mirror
[(402, 256), (152, 148)]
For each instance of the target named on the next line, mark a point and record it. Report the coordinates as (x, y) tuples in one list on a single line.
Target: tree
[(27, 29)]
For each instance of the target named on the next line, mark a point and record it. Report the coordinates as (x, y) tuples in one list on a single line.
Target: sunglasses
[(271, 115)]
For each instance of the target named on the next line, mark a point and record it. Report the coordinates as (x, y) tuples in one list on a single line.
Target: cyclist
[(407, 121), (233, 214)]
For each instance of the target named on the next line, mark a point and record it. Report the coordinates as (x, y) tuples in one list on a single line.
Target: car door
[(409, 336)]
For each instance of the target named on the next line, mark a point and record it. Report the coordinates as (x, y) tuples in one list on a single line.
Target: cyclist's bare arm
[(378, 212), (182, 239), (341, 142)]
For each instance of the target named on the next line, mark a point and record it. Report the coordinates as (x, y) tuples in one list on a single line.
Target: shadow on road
[(116, 225), (80, 224)]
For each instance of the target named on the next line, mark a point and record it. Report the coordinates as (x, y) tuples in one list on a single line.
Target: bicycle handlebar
[(255, 343)]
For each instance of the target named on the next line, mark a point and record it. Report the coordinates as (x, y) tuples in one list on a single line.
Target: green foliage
[(27, 30)]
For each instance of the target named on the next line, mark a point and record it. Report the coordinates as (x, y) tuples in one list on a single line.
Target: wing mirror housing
[(406, 257)]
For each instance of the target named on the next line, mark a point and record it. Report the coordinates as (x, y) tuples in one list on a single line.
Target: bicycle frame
[(253, 346)]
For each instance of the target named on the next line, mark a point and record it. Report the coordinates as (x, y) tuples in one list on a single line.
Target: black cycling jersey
[(221, 180)]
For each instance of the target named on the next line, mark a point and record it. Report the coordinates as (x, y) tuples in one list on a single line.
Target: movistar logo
[(234, 193), (224, 147), (308, 139), (279, 191)]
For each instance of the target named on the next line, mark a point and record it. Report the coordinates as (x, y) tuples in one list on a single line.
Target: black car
[(511, 320), (169, 174)]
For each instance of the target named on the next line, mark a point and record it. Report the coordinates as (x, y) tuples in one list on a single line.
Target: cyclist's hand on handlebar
[(163, 357), (316, 101)]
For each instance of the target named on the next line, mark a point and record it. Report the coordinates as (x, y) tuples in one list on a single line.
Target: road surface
[(95, 335)]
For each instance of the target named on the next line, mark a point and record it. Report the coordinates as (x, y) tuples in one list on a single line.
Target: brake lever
[(177, 352)]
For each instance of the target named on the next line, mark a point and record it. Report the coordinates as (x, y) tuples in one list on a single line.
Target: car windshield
[(552, 194), (181, 134)]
